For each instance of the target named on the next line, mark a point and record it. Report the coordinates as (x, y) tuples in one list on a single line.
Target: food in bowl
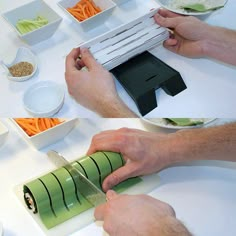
[(196, 5), (20, 69), (25, 26), (84, 9), (33, 126)]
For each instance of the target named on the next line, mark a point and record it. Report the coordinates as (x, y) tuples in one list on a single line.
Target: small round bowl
[(44, 99), (23, 55)]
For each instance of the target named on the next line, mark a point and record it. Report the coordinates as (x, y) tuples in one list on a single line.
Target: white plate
[(161, 122), (165, 4)]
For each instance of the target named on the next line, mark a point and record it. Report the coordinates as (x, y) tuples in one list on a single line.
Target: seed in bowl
[(21, 69)]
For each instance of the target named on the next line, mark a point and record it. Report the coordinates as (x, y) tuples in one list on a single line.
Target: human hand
[(93, 88), (138, 215), (190, 34), (144, 152)]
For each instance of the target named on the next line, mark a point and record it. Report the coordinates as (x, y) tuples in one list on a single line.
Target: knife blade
[(87, 188)]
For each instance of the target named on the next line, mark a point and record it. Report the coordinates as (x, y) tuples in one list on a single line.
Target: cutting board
[(76, 223)]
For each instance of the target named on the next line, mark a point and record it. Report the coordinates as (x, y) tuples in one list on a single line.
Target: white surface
[(44, 99), (23, 55), (31, 11), (211, 84), (202, 193), (49, 136)]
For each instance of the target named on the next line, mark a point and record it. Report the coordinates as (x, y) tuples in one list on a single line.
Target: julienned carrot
[(84, 9), (34, 126)]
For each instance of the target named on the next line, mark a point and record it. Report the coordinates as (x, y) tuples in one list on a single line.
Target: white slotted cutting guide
[(119, 45)]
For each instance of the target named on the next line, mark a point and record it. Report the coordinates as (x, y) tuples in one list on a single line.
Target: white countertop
[(211, 85), (202, 193)]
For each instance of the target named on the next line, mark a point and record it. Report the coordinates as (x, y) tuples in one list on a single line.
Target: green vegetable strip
[(57, 195), (184, 121), (26, 25), (198, 7)]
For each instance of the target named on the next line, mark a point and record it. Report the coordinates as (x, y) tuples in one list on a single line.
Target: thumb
[(118, 176), (110, 195), (88, 59)]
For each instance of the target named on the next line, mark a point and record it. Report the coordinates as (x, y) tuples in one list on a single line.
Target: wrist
[(114, 108), (168, 226)]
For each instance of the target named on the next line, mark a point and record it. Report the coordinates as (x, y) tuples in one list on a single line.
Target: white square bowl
[(3, 133), (48, 136), (107, 6), (31, 11)]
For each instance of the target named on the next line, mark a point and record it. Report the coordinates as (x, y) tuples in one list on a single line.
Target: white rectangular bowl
[(3, 133), (30, 11), (107, 6), (49, 136)]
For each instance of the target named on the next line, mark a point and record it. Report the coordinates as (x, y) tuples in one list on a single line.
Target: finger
[(99, 212), (166, 22), (166, 13), (88, 59), (104, 142), (71, 59), (111, 194), (118, 176), (170, 42)]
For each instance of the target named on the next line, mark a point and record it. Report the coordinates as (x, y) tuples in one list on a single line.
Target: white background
[(211, 84)]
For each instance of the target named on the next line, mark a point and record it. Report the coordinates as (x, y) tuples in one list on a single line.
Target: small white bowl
[(107, 6), (23, 55), (32, 10), (44, 99), (3, 135), (48, 136)]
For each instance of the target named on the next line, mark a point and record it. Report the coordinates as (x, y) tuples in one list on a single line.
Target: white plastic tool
[(119, 45)]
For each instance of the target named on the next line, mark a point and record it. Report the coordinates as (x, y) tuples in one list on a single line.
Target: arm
[(194, 38), (93, 88), (221, 45), (146, 152), (138, 215)]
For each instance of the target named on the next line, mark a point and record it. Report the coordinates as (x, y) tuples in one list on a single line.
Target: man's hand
[(92, 86), (138, 215), (144, 152), (189, 33)]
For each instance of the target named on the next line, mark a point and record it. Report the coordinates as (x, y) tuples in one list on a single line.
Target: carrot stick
[(84, 9), (33, 126)]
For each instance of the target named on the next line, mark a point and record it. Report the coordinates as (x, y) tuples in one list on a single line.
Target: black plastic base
[(142, 75)]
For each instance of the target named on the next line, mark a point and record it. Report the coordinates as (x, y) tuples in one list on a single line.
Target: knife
[(87, 188)]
